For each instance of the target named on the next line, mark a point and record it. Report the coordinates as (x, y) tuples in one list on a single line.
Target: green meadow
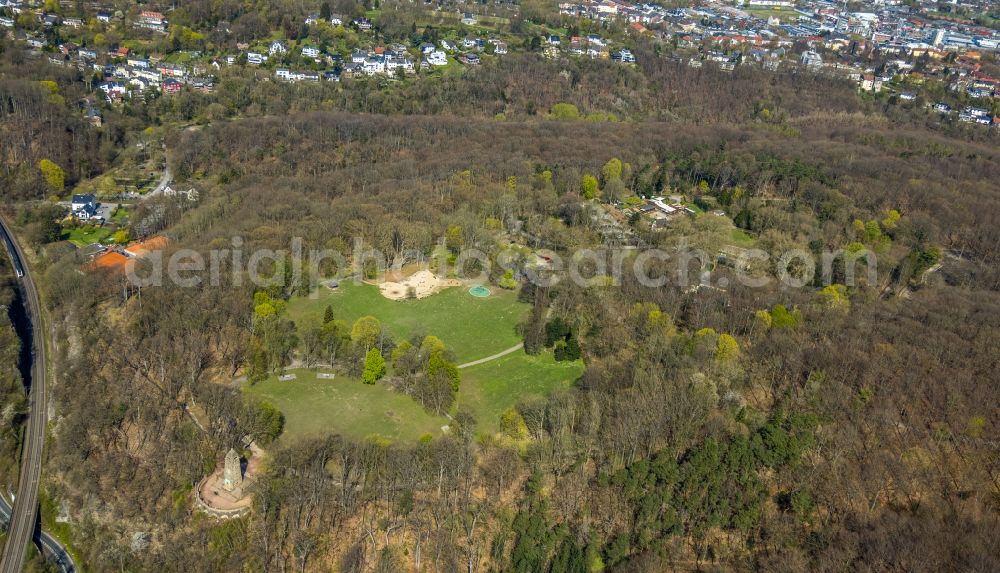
[(314, 407), (470, 327)]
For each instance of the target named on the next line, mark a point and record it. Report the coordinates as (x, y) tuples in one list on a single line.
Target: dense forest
[(827, 427)]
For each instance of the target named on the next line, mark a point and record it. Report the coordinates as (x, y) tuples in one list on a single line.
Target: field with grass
[(742, 239), (315, 407), (471, 327), (490, 388), (788, 15), (83, 236)]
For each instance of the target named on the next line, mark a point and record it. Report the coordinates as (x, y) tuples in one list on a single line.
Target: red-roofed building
[(171, 86)]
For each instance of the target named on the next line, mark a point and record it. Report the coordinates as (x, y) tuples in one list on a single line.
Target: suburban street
[(22, 523)]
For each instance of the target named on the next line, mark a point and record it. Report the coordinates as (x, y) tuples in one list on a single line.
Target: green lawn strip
[(741, 238), (313, 407), (82, 238), (471, 327), (697, 210), (490, 388)]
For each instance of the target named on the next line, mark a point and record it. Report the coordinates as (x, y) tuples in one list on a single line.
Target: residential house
[(437, 58), (141, 84), (103, 16), (310, 52), (395, 62), (871, 83), (171, 86), (82, 201), (811, 59), (277, 48), (84, 207), (93, 116), (255, 58), (191, 194), (469, 19), (202, 84), (172, 70), (374, 65), (151, 20)]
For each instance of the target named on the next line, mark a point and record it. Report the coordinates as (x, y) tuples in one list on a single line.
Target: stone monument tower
[(232, 473)]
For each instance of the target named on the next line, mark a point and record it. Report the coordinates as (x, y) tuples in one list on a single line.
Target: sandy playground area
[(423, 283)]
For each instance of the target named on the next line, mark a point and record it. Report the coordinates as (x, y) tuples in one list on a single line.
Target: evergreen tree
[(374, 366)]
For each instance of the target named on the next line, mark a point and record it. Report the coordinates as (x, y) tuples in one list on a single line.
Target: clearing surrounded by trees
[(469, 326), (473, 328), (313, 408)]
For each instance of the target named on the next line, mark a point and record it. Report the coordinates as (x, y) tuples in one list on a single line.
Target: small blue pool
[(479, 291)]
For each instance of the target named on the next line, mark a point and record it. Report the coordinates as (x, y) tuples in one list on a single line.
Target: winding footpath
[(25, 512), (514, 348)]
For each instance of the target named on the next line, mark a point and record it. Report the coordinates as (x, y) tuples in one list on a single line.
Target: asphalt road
[(22, 523)]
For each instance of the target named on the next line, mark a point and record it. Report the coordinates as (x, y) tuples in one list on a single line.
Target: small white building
[(437, 58), (811, 59), (277, 48)]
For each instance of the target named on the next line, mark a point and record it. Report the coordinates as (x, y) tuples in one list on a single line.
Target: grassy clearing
[(314, 407), (697, 210), (490, 388), (788, 15), (472, 327), (741, 238), (83, 236)]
